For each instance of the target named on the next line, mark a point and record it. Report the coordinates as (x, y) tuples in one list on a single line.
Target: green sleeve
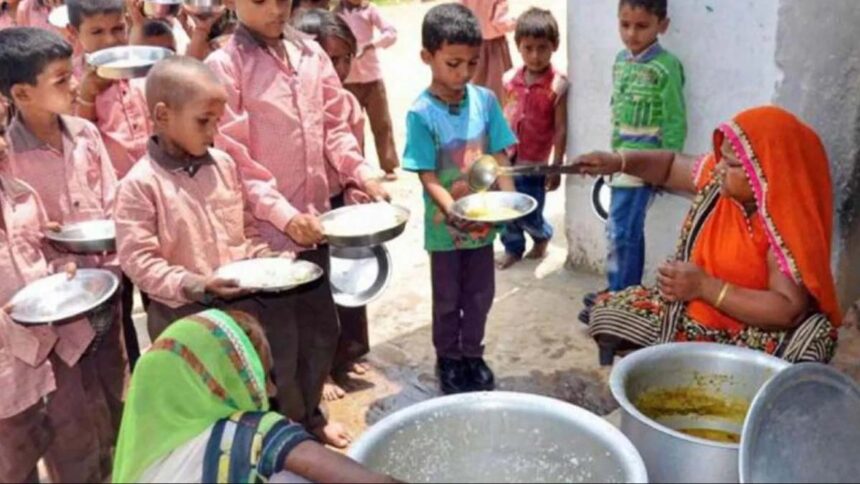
[(675, 119)]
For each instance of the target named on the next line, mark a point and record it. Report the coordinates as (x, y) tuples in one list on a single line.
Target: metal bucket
[(498, 437), (672, 456)]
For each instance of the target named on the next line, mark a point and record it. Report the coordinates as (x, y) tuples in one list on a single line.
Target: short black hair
[(154, 27), (79, 10), (174, 81), (450, 23), (660, 8), (539, 24), (321, 23), (24, 53)]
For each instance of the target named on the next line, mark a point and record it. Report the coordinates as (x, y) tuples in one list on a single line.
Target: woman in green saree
[(198, 411)]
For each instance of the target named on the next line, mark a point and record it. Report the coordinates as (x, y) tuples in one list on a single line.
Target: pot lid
[(803, 426), (359, 275)]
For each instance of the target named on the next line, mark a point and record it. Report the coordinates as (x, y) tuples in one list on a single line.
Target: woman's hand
[(598, 163), (681, 281)]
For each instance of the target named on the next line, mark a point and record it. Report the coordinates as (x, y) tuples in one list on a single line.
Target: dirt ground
[(534, 342)]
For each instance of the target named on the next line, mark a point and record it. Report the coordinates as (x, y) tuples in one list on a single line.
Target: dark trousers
[(534, 224), (464, 286), (302, 328), (374, 100)]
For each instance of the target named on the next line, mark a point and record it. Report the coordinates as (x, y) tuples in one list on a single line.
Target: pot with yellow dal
[(684, 405)]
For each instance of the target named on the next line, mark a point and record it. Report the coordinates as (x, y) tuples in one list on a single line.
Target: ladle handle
[(542, 170)]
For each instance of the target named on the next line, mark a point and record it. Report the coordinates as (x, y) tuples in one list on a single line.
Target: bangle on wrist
[(723, 293), (623, 162)]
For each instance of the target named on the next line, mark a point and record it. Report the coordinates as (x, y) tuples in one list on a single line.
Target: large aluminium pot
[(729, 371), (498, 437)]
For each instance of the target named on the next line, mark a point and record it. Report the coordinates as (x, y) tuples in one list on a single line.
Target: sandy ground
[(534, 342)]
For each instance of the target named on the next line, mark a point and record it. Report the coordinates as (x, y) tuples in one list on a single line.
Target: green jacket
[(648, 110)]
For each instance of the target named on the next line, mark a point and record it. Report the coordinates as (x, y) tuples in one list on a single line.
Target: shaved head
[(178, 80)]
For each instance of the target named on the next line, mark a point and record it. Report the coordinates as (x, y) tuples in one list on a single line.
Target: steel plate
[(519, 205), (365, 225), (803, 426), (126, 62), (359, 275), (270, 274), (56, 298), (601, 198), (92, 237)]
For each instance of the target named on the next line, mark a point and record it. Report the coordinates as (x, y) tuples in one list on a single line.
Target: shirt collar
[(646, 55), (24, 140), (172, 164), (544, 80), (290, 35)]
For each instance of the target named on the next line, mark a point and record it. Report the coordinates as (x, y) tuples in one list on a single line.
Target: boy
[(157, 33), (448, 127), (62, 394), (648, 112), (282, 125), (180, 212), (118, 108), (536, 108)]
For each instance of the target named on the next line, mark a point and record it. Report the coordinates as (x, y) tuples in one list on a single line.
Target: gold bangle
[(723, 293), (623, 161)]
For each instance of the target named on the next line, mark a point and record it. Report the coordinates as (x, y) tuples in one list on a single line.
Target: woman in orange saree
[(752, 266)]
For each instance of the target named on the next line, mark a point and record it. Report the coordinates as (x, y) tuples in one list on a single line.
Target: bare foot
[(332, 391), (390, 176), (359, 368), (507, 261), (333, 434), (538, 251)]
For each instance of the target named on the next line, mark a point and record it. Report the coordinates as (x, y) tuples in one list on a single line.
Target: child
[(62, 395), (184, 194), (283, 123), (34, 13), (8, 12), (647, 113), (448, 127), (495, 53), (301, 6), (158, 33), (335, 37), (536, 108), (365, 76)]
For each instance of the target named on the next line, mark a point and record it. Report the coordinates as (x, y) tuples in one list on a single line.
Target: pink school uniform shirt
[(25, 373), (176, 225), (76, 184), (353, 115), (122, 118), (32, 14), (7, 20), (530, 111), (283, 121), (362, 21), (494, 17)]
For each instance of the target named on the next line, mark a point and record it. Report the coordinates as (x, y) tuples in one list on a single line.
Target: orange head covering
[(787, 167)]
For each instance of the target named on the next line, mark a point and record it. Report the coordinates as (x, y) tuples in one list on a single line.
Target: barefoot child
[(449, 126), (283, 124), (536, 108), (495, 53), (335, 37), (67, 386), (180, 212), (365, 76)]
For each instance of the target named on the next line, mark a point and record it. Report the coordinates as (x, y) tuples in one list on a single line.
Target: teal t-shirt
[(447, 141)]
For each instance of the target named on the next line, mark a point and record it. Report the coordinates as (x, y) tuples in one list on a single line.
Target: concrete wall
[(729, 65)]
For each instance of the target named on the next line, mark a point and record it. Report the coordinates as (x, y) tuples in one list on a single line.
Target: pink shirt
[(7, 20), (494, 17), (174, 228), (24, 349), (530, 111), (354, 117), (31, 14), (123, 121), (76, 184), (362, 21), (283, 121)]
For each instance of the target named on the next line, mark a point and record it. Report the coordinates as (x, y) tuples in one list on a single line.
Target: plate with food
[(91, 237), (127, 61), (270, 274), (494, 207), (365, 225), (57, 298)]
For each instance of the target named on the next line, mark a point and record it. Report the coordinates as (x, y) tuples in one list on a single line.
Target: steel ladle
[(486, 170)]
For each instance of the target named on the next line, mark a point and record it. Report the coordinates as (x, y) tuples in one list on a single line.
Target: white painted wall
[(728, 49)]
